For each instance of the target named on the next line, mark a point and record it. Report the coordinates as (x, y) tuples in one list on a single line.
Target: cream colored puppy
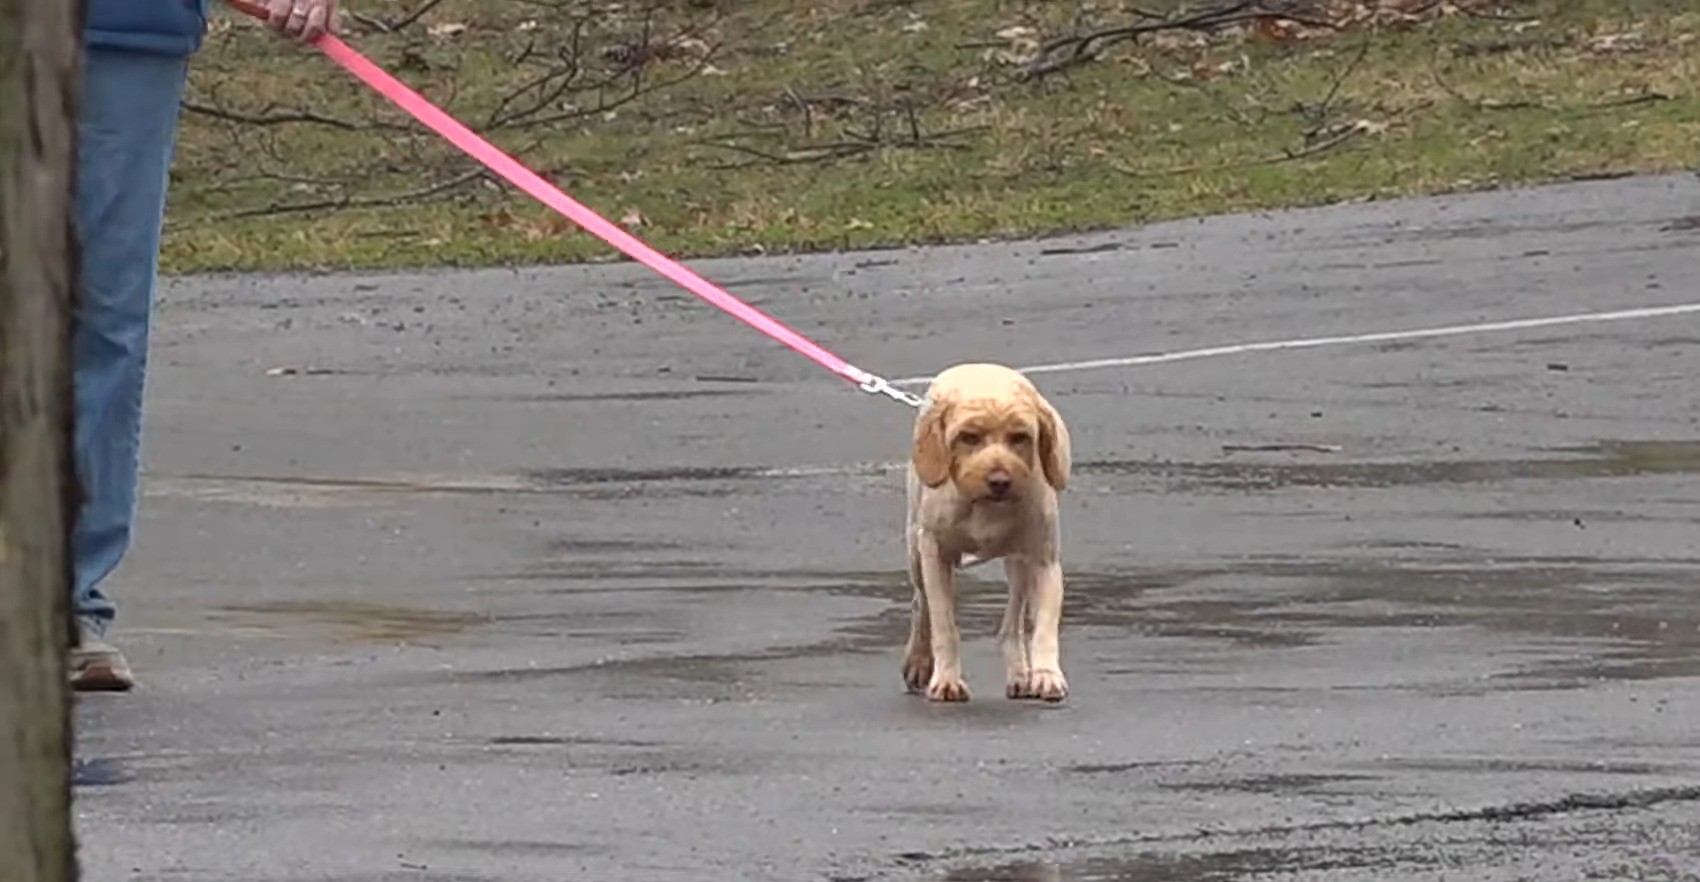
[(990, 456)]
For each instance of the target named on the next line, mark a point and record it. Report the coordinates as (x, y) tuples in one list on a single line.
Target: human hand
[(304, 20)]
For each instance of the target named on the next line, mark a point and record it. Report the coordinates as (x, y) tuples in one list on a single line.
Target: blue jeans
[(127, 134)]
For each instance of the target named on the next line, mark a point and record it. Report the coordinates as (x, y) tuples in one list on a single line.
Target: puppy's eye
[(1020, 438), (972, 439)]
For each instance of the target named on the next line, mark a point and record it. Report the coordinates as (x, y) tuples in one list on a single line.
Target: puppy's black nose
[(998, 484)]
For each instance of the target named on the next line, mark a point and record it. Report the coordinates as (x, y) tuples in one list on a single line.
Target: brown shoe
[(97, 666)]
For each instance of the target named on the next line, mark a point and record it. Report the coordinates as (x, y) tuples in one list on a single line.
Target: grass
[(755, 126)]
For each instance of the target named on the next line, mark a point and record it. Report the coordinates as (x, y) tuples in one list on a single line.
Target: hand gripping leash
[(514, 173)]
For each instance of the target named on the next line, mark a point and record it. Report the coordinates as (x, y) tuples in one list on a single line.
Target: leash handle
[(514, 173)]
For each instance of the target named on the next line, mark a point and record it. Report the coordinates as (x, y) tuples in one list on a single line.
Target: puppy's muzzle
[(999, 485)]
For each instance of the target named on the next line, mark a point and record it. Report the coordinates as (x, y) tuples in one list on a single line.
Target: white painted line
[(1379, 337)]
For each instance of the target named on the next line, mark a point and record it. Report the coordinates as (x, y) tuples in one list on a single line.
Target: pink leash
[(511, 170)]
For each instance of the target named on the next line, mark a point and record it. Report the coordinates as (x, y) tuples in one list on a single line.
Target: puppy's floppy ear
[(931, 455), (1056, 454)]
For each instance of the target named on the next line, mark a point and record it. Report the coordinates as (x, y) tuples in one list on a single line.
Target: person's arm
[(304, 20)]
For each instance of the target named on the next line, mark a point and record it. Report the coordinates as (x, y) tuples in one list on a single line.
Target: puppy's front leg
[(1046, 680), (939, 581), (918, 654), (1014, 631)]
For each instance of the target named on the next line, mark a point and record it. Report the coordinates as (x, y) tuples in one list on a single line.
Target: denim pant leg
[(127, 134)]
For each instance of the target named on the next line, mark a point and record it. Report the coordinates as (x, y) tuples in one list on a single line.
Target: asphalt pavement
[(560, 574)]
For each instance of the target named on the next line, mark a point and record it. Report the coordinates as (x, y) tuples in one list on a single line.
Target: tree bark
[(40, 46)]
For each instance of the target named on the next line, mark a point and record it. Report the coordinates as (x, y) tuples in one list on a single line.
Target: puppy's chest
[(987, 533)]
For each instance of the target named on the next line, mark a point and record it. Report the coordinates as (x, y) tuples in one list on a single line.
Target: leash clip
[(877, 385)]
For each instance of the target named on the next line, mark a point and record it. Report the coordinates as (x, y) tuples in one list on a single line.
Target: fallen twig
[(1063, 53), (348, 202), (390, 27), (1348, 133), (1495, 15), (1632, 100), (273, 117), (1321, 111), (638, 90), (857, 142), (1478, 103), (1649, 97), (828, 152)]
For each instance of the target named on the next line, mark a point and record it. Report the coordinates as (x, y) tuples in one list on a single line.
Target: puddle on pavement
[(1629, 624), (348, 620), (1224, 866), (321, 492), (1626, 622), (1615, 459), (565, 741), (508, 848), (1240, 473), (1282, 784), (1503, 765), (99, 773), (572, 549), (607, 397)]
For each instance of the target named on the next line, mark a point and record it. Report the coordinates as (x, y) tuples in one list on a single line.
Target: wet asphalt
[(559, 574)]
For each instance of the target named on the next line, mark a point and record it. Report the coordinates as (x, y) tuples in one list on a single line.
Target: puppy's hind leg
[(918, 654), (1014, 633)]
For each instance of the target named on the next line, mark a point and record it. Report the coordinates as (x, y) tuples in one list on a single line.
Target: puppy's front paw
[(1019, 684), (917, 672), (1048, 685), (947, 687)]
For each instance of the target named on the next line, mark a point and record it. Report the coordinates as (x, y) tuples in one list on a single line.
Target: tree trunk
[(40, 46)]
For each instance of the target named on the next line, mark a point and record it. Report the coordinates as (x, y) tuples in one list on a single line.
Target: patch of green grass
[(720, 149)]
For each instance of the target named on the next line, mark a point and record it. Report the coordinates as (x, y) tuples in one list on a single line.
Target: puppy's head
[(992, 449)]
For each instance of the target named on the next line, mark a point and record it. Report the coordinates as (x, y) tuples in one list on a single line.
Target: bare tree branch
[(390, 27), (857, 143), (1063, 53), (272, 117), (352, 202), (1335, 141)]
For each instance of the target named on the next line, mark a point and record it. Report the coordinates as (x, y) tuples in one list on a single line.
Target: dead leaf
[(1608, 44), (1278, 30), (1183, 41), (1205, 69), (633, 218), (548, 226), (446, 29), (693, 46)]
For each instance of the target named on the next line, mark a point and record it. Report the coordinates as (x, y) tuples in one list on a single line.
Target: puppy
[(990, 457)]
